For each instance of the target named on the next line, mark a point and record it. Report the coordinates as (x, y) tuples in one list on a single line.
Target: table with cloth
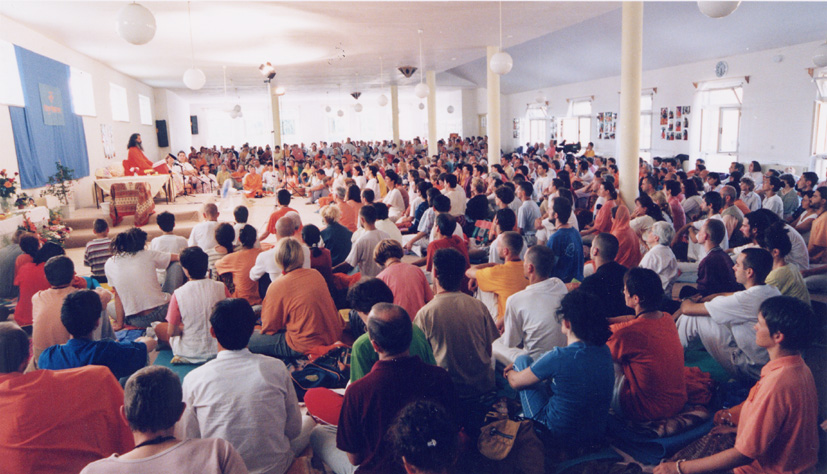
[(155, 182)]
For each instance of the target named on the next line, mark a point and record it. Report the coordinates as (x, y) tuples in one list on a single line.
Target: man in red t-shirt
[(283, 199)]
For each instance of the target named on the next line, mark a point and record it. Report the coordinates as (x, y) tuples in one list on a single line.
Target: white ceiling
[(324, 46)]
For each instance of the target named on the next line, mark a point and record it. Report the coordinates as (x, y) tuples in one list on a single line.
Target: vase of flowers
[(60, 186), (8, 188)]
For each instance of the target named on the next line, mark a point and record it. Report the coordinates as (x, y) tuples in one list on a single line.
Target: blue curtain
[(47, 129)]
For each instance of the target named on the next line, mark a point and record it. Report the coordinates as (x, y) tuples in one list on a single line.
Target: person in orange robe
[(136, 162), (252, 183), (628, 251)]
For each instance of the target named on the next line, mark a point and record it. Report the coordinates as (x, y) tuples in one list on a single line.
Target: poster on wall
[(515, 128), (108, 141), (606, 125), (674, 123), (552, 129)]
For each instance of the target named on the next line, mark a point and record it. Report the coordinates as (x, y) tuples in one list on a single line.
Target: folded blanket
[(690, 417)]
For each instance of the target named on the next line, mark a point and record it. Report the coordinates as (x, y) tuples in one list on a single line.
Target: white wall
[(777, 109), (102, 75)]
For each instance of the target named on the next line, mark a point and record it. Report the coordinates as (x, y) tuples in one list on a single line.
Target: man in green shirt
[(362, 297)]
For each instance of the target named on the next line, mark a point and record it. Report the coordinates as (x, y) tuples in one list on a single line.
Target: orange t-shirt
[(349, 215), (503, 280), (778, 422), (275, 216), (651, 355), (239, 264), (300, 303), (42, 434)]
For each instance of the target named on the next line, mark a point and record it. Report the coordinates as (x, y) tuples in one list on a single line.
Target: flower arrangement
[(55, 231), (60, 184), (23, 201), (8, 184)]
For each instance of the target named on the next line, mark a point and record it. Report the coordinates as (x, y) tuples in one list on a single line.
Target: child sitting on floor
[(97, 250), (187, 328)]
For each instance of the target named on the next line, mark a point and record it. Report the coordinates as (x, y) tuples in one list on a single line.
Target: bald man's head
[(389, 327), (285, 227)]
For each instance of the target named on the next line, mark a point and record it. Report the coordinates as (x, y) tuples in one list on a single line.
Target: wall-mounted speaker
[(194, 124), (161, 131)]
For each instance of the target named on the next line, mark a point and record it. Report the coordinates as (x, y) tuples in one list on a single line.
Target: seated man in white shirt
[(361, 254), (247, 399), (455, 194), (203, 234), (725, 325), (530, 323), (385, 223), (394, 199), (287, 226)]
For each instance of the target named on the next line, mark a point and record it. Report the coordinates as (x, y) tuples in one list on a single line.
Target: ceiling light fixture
[(501, 63), (450, 109), (194, 78), (267, 70), (135, 24), (820, 56), (421, 90), (717, 9)]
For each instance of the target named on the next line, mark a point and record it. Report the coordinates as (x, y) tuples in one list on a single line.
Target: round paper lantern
[(421, 90), (820, 57), (540, 97), (327, 109), (234, 113), (237, 108), (421, 106), (194, 78), (450, 109), (501, 63), (717, 9), (382, 101), (357, 107), (135, 24), (340, 113)]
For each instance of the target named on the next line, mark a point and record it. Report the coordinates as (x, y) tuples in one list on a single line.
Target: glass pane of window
[(645, 131), (728, 140), (820, 132), (581, 107), (83, 96), (537, 131), (11, 89), (117, 99), (146, 110), (585, 132), (646, 102), (725, 96), (568, 130)]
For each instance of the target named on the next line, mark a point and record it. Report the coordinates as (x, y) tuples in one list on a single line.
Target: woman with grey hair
[(660, 258)]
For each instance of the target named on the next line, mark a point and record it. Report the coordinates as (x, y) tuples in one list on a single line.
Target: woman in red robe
[(136, 162)]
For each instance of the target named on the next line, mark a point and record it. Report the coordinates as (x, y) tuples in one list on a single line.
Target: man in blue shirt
[(566, 244), (81, 315)]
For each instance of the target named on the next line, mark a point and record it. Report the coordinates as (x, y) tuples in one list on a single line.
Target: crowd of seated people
[(458, 278)]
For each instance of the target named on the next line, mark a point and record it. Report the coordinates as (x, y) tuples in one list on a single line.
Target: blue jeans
[(534, 398), (273, 345)]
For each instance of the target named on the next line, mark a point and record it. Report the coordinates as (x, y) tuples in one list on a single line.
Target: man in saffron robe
[(136, 162), (252, 183)]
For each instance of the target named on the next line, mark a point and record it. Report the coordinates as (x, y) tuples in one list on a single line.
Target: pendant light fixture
[(501, 63), (421, 90), (383, 99), (135, 24), (194, 78)]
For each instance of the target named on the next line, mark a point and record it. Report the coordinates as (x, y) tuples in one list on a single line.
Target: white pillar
[(493, 127), (274, 106), (433, 148), (395, 112), (631, 66)]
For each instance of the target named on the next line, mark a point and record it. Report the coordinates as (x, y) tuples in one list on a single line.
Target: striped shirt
[(97, 253)]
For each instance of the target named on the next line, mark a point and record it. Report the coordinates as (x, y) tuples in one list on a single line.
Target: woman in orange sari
[(136, 163), (628, 249)]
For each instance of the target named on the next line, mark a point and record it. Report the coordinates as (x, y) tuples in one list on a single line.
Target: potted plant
[(8, 188), (60, 186)]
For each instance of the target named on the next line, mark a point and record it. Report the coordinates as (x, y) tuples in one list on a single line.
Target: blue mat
[(651, 450), (164, 358), (607, 454)]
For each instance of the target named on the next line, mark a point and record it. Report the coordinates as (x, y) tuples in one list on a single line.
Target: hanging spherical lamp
[(421, 106), (501, 63), (135, 24), (340, 113), (541, 98), (450, 109), (717, 9), (327, 109), (357, 107), (382, 100), (194, 78), (421, 90)]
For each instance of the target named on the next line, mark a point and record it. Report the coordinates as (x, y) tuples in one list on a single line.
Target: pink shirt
[(409, 286)]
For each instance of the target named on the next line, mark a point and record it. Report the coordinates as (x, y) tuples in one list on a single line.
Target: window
[(146, 109), (646, 104), (11, 89), (117, 99), (577, 127), (83, 95), (720, 122), (537, 131), (820, 119)]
